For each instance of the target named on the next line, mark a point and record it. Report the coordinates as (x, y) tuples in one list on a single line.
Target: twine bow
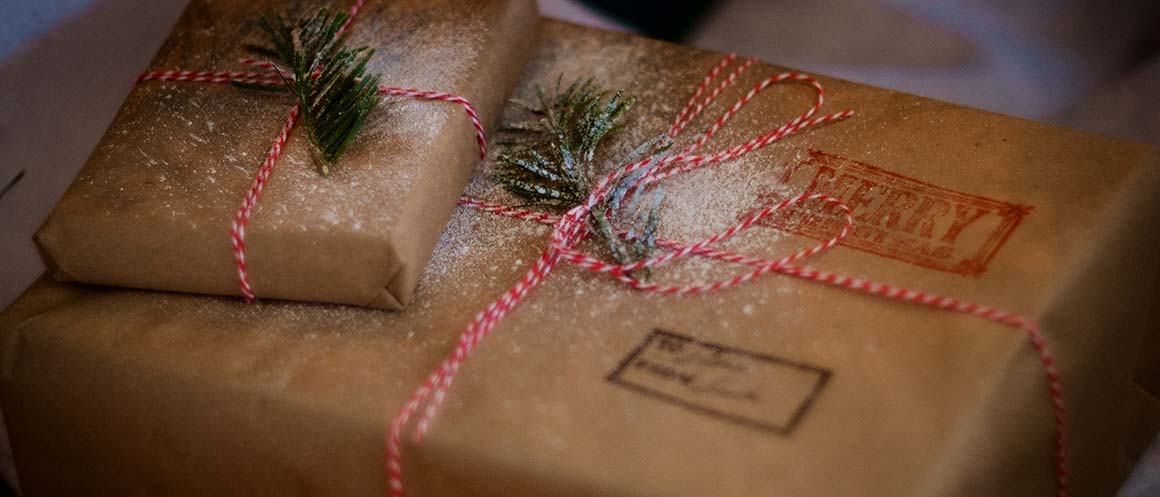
[(268, 74), (569, 229)]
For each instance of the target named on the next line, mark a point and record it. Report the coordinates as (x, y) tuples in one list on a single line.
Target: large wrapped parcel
[(153, 206), (779, 386)]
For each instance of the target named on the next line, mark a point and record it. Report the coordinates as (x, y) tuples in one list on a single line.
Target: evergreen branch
[(555, 166), (331, 82)]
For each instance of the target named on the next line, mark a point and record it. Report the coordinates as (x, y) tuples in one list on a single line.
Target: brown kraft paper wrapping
[(776, 387), (152, 208)]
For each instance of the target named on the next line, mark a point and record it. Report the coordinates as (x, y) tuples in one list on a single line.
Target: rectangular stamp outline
[(824, 376), (1012, 215)]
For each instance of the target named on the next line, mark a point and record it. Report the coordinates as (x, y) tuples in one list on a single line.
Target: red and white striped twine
[(270, 75), (571, 227)]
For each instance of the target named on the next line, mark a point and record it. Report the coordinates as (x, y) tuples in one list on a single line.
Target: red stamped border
[(1011, 215)]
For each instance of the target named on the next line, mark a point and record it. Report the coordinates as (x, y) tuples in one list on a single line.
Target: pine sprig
[(555, 165), (331, 82)]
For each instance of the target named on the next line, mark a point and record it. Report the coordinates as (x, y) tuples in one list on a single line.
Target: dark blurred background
[(1094, 65), (1087, 64)]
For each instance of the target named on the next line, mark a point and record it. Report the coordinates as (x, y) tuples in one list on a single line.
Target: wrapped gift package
[(153, 206), (779, 386)]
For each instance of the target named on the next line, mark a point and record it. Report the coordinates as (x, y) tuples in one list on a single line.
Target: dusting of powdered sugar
[(480, 255), (409, 40), (186, 153), (696, 205), (472, 235), (702, 203)]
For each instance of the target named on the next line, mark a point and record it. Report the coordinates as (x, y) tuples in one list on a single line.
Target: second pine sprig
[(555, 166)]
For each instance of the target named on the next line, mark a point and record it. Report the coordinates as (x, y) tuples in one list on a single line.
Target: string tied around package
[(266, 73), (570, 228)]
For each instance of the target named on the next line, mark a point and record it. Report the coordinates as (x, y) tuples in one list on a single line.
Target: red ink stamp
[(896, 216)]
